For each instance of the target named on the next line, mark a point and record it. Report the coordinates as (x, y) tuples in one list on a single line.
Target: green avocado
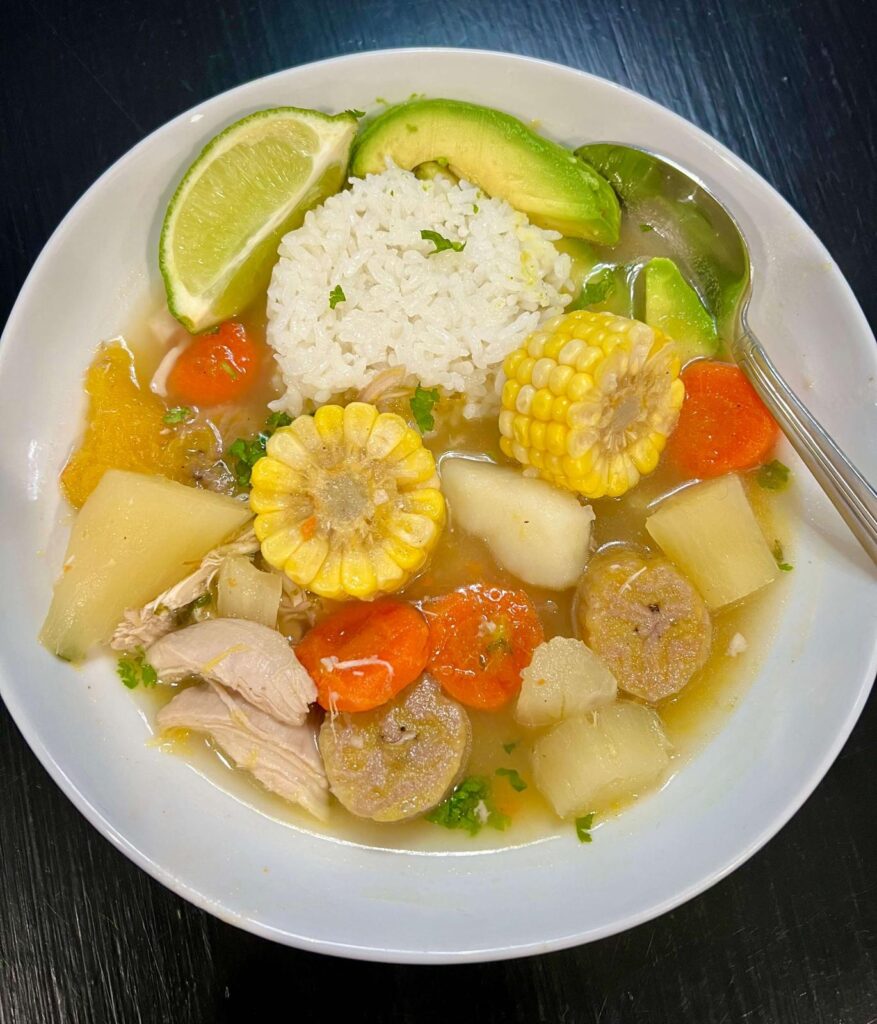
[(500, 155), (673, 306)]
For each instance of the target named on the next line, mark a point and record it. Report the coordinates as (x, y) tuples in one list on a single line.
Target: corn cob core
[(347, 501), (590, 400)]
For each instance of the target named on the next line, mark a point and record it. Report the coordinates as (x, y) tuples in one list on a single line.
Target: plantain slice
[(401, 759), (645, 620)]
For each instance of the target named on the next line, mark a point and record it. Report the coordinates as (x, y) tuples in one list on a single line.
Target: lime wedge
[(250, 185)]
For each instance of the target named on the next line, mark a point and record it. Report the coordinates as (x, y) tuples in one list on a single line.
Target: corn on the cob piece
[(347, 501), (590, 400)]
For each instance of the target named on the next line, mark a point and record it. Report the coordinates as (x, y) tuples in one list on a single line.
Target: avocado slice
[(500, 155), (673, 306)]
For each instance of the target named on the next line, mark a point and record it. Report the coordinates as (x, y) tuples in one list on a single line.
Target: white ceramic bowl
[(325, 895)]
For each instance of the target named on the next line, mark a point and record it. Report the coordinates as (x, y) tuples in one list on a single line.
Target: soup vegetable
[(429, 487)]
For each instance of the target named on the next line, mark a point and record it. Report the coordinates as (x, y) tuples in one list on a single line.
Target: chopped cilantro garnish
[(583, 828), (782, 565), (596, 289), (422, 404), (135, 670), (247, 453), (475, 207), (336, 295), (228, 369), (179, 414), (469, 807), (515, 780), (440, 242), (356, 113), (276, 420), (509, 747), (774, 476), (646, 227)]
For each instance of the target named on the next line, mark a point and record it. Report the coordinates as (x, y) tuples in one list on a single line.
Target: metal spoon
[(708, 242)]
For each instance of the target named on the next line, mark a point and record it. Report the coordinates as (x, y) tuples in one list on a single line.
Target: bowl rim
[(31, 732)]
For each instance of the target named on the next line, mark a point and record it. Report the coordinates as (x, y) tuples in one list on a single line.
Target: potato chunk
[(588, 764), (134, 537), (564, 679), (535, 530)]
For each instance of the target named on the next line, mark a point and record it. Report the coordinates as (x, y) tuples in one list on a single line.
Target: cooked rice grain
[(449, 319)]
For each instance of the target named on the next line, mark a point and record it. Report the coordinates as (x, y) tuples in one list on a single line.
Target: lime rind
[(334, 134)]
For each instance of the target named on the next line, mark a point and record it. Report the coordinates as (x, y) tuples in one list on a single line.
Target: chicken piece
[(283, 758), (244, 656), (142, 626)]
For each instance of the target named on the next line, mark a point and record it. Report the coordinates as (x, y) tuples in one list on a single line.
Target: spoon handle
[(849, 492)]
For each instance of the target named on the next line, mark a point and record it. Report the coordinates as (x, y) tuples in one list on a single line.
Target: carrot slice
[(481, 639), (215, 368), (365, 653), (723, 426)]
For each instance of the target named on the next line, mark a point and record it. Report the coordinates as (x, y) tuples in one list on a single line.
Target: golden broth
[(689, 718)]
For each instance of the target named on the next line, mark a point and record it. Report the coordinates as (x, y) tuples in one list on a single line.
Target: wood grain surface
[(85, 936)]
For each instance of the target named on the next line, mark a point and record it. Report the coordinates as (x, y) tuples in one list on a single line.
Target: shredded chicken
[(247, 657), (283, 758), (385, 387), (143, 626), (298, 610)]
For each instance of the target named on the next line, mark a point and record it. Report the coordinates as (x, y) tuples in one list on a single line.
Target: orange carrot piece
[(723, 426), (481, 639), (215, 368), (365, 653)]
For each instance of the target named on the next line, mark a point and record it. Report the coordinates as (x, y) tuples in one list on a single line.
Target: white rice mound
[(447, 319)]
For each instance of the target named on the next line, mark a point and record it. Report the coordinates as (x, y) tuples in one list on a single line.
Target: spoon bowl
[(712, 251)]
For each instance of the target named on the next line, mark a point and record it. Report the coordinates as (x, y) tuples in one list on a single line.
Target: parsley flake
[(336, 295), (782, 565), (422, 404), (440, 242), (469, 807), (773, 476), (134, 670), (179, 414), (509, 747), (515, 780), (583, 828), (646, 227)]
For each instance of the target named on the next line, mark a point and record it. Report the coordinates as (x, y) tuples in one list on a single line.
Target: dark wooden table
[(790, 937)]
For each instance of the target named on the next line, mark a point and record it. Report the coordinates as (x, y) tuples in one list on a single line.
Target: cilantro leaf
[(441, 243), (773, 476), (135, 670), (782, 565), (421, 407), (596, 289), (646, 227), (515, 780), (583, 828), (336, 295), (276, 420), (179, 414), (469, 807), (246, 453), (509, 747)]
